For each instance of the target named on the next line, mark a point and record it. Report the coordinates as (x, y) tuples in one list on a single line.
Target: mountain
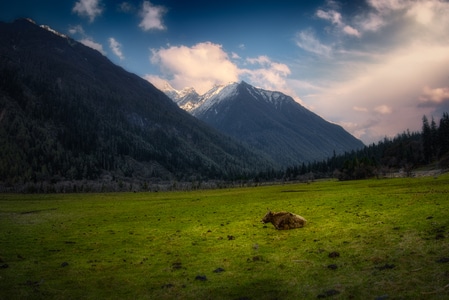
[(269, 121), (68, 113), (187, 99)]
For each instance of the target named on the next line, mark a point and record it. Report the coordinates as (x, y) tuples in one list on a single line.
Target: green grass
[(392, 237)]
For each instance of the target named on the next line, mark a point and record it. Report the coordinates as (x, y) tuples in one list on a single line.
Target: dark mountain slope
[(67, 112), (275, 124)]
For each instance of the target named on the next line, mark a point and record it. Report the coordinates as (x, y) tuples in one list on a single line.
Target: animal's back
[(284, 220)]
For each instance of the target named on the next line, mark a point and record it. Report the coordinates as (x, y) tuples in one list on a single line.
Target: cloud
[(88, 8), (360, 109), (431, 96), (157, 81), (126, 7), (92, 44), (206, 64), (306, 40), (428, 12), (85, 39), (331, 15), (383, 109), (200, 66), (383, 83), (268, 74), (386, 6), (336, 19), (261, 60), (78, 29), (152, 16), (387, 90), (370, 22), (431, 13), (235, 55), (351, 31), (116, 48)]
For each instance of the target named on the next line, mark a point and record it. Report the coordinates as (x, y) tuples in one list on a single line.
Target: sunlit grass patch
[(364, 239)]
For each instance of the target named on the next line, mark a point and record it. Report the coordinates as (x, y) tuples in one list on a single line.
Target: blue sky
[(373, 66)]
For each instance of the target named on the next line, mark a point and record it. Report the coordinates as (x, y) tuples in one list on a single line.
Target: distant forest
[(405, 152)]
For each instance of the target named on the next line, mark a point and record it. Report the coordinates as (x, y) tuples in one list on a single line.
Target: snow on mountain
[(271, 122), (186, 99), (189, 100), (171, 92), (273, 97), (48, 28), (215, 95)]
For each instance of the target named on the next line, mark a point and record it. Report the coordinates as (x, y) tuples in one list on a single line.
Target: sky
[(375, 67)]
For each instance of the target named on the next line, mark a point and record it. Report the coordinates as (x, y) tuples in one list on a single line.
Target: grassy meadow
[(371, 239)]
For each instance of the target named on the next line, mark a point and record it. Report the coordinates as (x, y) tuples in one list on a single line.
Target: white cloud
[(152, 16), (92, 44), (383, 109), (351, 31), (434, 96), (235, 55), (116, 48), (200, 66), (331, 15), (336, 19), (88, 8), (78, 29), (386, 6), (431, 13), (261, 60), (383, 84), (424, 12), (157, 81), (370, 22), (85, 39), (206, 64), (268, 74), (388, 91), (306, 40)]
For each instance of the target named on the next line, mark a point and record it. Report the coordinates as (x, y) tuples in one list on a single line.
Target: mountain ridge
[(269, 121), (69, 113)]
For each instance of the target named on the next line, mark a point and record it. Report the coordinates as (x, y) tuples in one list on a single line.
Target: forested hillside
[(67, 113), (406, 152)]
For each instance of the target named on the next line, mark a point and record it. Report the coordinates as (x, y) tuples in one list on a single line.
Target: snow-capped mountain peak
[(189, 100), (187, 91), (274, 98), (48, 28), (216, 95), (270, 121)]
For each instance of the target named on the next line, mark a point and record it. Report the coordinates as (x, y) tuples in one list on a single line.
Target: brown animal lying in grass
[(284, 220)]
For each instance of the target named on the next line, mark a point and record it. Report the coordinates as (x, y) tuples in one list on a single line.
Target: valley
[(363, 240)]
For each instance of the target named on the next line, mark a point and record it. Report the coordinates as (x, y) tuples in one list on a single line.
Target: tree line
[(405, 152)]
